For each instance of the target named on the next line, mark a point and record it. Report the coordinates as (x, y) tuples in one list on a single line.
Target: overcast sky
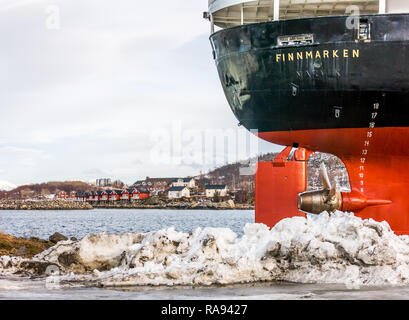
[(93, 88)]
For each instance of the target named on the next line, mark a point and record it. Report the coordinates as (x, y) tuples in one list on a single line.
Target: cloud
[(137, 162), (93, 172), (20, 150), (18, 157), (7, 5), (28, 162), (86, 100)]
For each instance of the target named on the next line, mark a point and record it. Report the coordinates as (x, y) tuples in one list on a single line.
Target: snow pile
[(10, 264), (337, 248)]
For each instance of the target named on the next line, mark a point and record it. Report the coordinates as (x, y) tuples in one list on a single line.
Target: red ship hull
[(377, 161)]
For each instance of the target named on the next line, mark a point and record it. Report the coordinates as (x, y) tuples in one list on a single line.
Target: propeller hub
[(319, 201)]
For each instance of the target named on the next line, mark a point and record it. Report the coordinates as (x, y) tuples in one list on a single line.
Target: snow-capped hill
[(7, 186)]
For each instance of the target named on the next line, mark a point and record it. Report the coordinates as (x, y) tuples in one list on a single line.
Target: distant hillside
[(238, 175), (44, 189), (230, 174)]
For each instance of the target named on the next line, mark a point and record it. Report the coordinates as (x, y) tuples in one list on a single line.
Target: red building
[(98, 195), (62, 195), (104, 196), (125, 195), (138, 194), (118, 194), (143, 194), (112, 195), (93, 196), (133, 194), (79, 196)]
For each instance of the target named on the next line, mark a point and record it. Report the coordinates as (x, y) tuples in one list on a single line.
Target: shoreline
[(177, 206), (29, 205), (23, 205)]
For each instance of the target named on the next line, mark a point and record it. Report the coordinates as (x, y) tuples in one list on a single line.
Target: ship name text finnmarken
[(318, 54)]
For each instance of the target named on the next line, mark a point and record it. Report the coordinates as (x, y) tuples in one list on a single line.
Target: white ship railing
[(229, 13)]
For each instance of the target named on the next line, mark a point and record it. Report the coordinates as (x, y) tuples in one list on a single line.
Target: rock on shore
[(177, 205), (57, 237), (28, 248), (43, 205), (151, 203)]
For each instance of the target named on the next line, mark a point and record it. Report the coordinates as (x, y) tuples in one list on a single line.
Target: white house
[(178, 192), (211, 190), (184, 182)]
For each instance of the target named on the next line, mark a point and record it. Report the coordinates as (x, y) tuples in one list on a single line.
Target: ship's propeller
[(332, 196), (328, 199), (326, 183)]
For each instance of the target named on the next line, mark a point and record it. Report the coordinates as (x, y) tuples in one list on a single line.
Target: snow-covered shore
[(338, 248)]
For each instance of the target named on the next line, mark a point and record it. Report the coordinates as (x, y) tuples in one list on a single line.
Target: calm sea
[(78, 224)]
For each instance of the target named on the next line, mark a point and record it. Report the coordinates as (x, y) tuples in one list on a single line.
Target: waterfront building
[(184, 182), (104, 195), (62, 195), (125, 194), (91, 196), (158, 184), (99, 195), (79, 196), (143, 193), (112, 195), (178, 192), (138, 194), (220, 189)]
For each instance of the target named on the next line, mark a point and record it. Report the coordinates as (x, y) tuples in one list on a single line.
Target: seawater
[(42, 224)]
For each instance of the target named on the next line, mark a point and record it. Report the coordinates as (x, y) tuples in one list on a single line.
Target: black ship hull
[(332, 83)]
